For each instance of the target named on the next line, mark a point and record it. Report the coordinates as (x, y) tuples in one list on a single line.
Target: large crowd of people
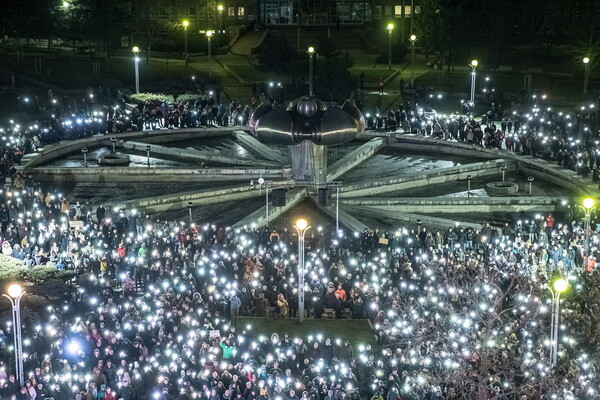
[(568, 137), (154, 314), (458, 313)]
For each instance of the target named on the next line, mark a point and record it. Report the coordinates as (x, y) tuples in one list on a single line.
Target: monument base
[(309, 162)]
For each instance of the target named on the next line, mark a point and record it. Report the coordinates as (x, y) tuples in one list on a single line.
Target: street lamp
[(220, 9), (530, 179), (84, 151), (208, 36), (390, 28), (301, 227), (148, 148), (136, 52), (413, 39), (559, 286), (473, 65), (15, 292), (586, 74), (469, 185), (185, 24), (311, 51), (588, 207)]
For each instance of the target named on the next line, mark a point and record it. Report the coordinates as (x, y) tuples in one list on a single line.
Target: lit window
[(240, 12)]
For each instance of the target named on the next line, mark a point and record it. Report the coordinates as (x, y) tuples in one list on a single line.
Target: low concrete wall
[(354, 158), (192, 156), (550, 171), (430, 177), (258, 218), (458, 205), (410, 218), (254, 145), (179, 201), (125, 174), (65, 147)]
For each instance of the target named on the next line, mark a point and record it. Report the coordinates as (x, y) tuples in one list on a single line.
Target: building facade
[(153, 17)]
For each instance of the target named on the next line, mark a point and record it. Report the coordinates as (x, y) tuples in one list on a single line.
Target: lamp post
[(588, 207), (469, 185), (267, 205), (301, 227), (220, 9), (473, 65), (530, 179), (559, 286), (148, 148), (390, 28), (337, 209), (311, 51), (208, 36), (503, 168), (185, 24), (189, 204), (15, 292), (586, 74), (413, 39), (136, 52), (84, 151)]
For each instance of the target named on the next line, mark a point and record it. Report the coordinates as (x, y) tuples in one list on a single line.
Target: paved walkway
[(249, 41)]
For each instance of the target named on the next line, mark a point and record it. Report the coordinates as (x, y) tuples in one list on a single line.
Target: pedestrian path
[(251, 40)]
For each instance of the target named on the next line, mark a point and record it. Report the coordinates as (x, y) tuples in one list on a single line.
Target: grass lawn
[(356, 331), (74, 75), (250, 73), (509, 82), (372, 75)]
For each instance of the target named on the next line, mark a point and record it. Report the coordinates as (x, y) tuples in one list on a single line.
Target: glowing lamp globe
[(413, 38), (560, 285), (301, 224), (474, 63), (588, 203), (586, 60), (15, 290)]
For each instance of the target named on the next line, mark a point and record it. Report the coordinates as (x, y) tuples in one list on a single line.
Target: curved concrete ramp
[(248, 43)]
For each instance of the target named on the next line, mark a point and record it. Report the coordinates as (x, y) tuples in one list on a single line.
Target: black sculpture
[(306, 118)]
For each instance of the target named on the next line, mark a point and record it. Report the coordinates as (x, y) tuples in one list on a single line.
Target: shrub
[(42, 273), (50, 289), (187, 96), (11, 269), (153, 96)]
